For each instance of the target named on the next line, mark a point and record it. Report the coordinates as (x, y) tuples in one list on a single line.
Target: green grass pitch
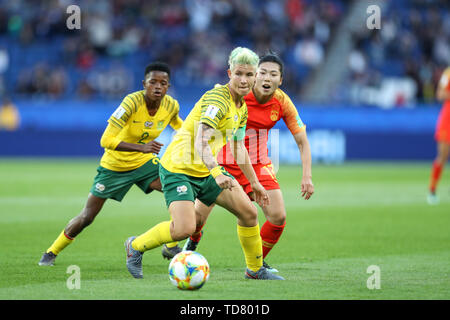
[(361, 214)]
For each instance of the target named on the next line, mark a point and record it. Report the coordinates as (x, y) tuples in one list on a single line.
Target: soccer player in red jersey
[(267, 104), (442, 136)]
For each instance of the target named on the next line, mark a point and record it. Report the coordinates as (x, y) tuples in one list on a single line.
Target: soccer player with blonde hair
[(130, 155), (267, 104), (189, 171)]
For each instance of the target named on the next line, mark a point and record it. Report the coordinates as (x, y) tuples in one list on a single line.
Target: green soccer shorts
[(179, 186), (110, 184)]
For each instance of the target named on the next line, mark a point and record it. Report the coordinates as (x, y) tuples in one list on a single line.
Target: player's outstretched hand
[(307, 188), (260, 195), (224, 181), (152, 147)]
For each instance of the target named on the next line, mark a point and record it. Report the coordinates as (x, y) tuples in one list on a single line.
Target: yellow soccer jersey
[(137, 126), (215, 108)]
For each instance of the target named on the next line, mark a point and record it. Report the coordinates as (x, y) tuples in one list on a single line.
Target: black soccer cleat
[(269, 268), (169, 253), (190, 244)]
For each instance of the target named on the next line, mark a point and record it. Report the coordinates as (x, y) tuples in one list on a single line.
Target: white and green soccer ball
[(188, 270)]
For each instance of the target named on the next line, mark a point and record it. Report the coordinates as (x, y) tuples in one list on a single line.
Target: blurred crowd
[(41, 57), (413, 42), (107, 56)]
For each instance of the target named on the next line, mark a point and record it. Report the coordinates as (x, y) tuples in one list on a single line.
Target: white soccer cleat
[(432, 199)]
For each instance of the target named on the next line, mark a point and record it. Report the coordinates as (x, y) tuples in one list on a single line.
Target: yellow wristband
[(216, 171)]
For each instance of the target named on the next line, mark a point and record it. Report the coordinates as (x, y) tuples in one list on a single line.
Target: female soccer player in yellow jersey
[(267, 104), (130, 151), (189, 171)]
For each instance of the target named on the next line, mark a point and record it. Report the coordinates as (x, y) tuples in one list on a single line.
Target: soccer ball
[(188, 270)]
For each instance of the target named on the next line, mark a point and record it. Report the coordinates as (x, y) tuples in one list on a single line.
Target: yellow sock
[(153, 238), (251, 244), (60, 243), (171, 244)]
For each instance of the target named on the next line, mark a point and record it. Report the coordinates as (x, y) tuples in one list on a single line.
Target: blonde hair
[(241, 56)]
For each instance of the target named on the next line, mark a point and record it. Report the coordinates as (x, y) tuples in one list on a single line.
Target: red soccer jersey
[(262, 118), (442, 133)]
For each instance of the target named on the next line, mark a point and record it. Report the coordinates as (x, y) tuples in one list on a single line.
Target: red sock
[(197, 234), (270, 233), (67, 236), (436, 171)]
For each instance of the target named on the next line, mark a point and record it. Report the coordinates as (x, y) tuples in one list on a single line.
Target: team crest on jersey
[(236, 118), (160, 125), (274, 115), (148, 124)]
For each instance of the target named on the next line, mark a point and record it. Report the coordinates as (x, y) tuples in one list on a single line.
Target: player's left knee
[(250, 216), (183, 232), (279, 218)]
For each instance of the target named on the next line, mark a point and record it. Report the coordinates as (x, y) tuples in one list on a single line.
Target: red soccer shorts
[(264, 172), (442, 133)]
